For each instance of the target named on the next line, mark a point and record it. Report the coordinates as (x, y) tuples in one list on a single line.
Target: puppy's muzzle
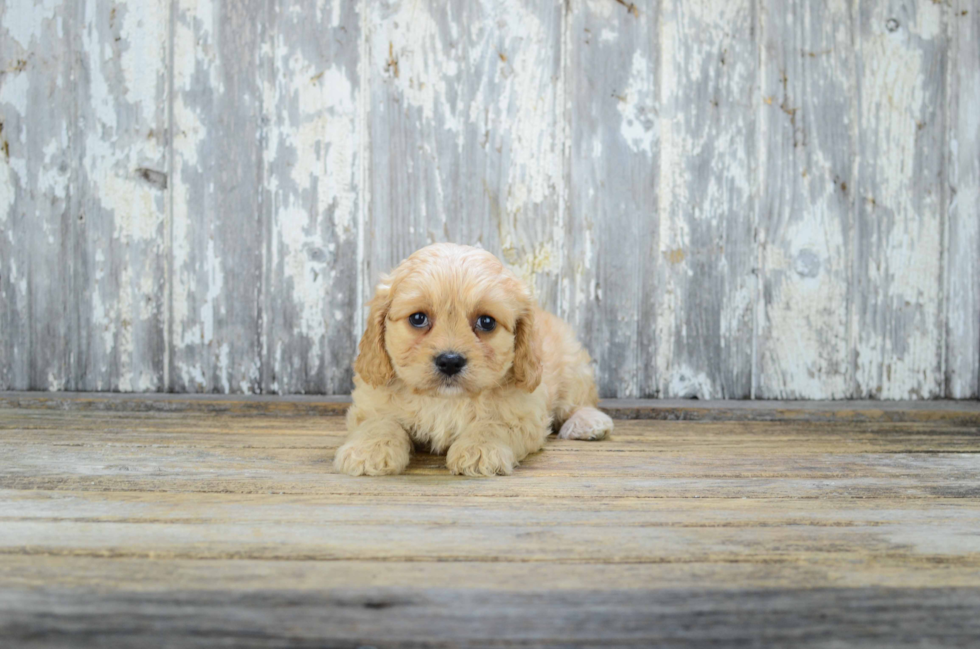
[(450, 363)]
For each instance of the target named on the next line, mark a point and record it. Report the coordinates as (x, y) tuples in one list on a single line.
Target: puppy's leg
[(586, 423), (374, 447), (493, 449)]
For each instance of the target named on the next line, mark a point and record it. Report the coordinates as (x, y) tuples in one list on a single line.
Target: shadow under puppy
[(458, 357)]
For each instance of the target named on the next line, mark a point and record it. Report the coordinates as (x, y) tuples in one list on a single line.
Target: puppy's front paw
[(586, 423), (372, 457), (480, 459)]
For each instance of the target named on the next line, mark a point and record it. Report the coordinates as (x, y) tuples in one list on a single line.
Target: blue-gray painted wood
[(765, 198), (896, 286), (119, 148), (807, 187), (962, 258), (219, 229), (467, 133), (609, 292)]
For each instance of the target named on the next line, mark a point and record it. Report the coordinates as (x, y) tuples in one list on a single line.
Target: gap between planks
[(953, 411)]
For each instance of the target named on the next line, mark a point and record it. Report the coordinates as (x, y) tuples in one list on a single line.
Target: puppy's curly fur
[(523, 376)]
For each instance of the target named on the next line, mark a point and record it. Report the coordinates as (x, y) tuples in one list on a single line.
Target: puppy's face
[(454, 321)]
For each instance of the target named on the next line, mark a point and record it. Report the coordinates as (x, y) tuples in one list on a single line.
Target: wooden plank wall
[(727, 198)]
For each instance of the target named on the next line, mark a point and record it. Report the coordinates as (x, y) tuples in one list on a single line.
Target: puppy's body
[(525, 375)]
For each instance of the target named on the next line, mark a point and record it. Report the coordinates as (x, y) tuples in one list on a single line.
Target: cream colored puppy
[(458, 358)]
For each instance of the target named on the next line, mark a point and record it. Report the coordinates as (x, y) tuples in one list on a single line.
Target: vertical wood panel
[(807, 188), (963, 255), (36, 218), (312, 158), (706, 288), (898, 256), (610, 254), (220, 229), (466, 138), (120, 206)]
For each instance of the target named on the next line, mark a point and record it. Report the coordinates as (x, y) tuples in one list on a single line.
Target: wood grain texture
[(121, 200), (962, 318), (706, 286), (807, 148), (30, 571), (37, 214), (466, 136), (154, 528), (215, 453), (220, 229), (396, 618), (312, 154), (611, 229), (896, 316), (764, 198), (948, 411)]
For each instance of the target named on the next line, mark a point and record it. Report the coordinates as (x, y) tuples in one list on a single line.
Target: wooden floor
[(185, 523)]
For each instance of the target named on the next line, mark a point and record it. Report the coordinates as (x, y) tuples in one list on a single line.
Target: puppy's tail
[(588, 423)]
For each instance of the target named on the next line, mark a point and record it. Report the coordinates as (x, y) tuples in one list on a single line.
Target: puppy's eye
[(485, 323), (418, 320)]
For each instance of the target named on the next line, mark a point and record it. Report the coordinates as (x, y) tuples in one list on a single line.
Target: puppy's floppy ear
[(373, 364), (527, 356)]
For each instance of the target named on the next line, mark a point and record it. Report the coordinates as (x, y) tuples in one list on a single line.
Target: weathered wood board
[(119, 147), (313, 153), (467, 135), (807, 205), (768, 199), (440, 618), (37, 244), (152, 528), (962, 270), (219, 227), (900, 205), (709, 103), (609, 292)]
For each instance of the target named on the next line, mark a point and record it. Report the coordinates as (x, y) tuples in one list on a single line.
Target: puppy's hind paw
[(372, 457), (586, 423), (473, 459)]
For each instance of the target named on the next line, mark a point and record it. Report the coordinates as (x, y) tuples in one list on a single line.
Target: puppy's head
[(450, 320)]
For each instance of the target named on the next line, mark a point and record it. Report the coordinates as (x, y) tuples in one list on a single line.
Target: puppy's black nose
[(450, 363)]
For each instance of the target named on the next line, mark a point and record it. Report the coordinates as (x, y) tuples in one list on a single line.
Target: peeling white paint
[(410, 49), (603, 9), (192, 328), (962, 259), (705, 185), (450, 76), (215, 275), (536, 166), (687, 383), (636, 106), (501, 84), (14, 92), (7, 190), (311, 158), (896, 362), (24, 23), (144, 31), (56, 382)]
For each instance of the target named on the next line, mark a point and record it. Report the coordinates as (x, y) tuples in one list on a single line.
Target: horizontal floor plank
[(162, 507), (158, 574), (195, 430), (465, 617), (910, 540)]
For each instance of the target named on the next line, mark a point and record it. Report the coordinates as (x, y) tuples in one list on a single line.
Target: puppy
[(457, 357)]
